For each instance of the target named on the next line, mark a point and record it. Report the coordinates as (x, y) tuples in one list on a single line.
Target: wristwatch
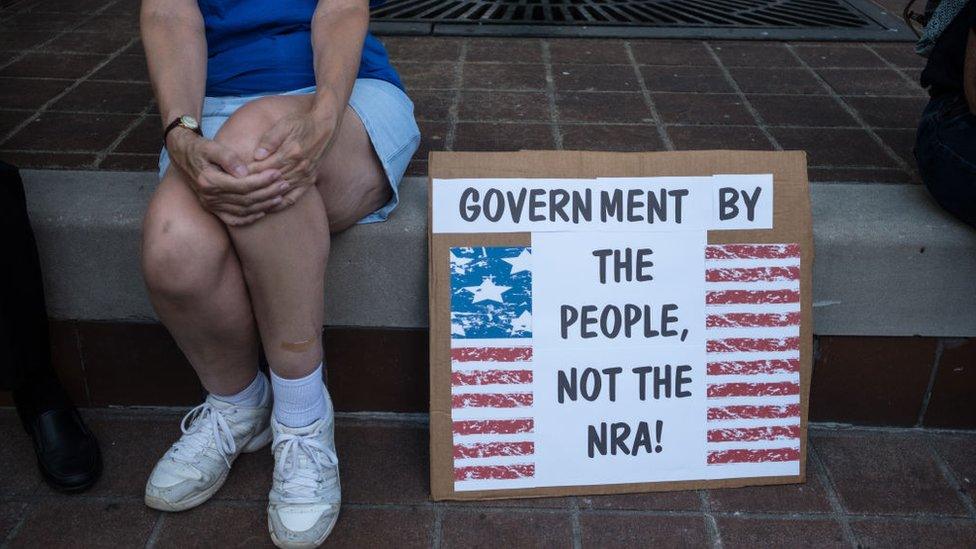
[(185, 121)]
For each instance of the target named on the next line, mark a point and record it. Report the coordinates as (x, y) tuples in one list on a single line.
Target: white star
[(522, 323), (521, 262), (488, 291)]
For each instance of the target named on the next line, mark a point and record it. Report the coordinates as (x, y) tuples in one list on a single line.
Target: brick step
[(865, 488), (890, 381)]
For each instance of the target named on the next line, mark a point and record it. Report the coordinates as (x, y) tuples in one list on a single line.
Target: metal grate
[(774, 19)]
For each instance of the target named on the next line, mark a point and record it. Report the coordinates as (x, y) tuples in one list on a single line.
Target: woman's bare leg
[(284, 254), (197, 287)]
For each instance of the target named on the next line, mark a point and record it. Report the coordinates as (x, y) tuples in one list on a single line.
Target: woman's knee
[(245, 127), (182, 257)]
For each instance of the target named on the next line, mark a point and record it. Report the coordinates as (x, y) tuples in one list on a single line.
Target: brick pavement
[(74, 94), (866, 487)]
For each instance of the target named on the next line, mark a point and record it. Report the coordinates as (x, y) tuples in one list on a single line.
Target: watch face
[(189, 122)]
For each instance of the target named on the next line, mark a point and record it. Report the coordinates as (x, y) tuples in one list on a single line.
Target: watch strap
[(176, 123)]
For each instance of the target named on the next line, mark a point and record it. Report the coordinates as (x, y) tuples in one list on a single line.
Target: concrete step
[(888, 262), (893, 292)]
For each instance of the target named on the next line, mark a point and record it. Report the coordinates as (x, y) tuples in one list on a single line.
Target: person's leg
[(24, 345), (352, 182), (283, 257), (197, 287), (67, 452), (945, 151)]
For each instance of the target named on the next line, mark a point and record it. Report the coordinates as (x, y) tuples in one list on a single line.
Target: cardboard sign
[(608, 322)]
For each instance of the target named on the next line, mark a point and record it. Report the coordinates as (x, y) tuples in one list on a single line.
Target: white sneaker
[(305, 494), (196, 466)]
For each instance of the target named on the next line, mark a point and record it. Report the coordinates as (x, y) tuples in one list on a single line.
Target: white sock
[(250, 397), (299, 402)]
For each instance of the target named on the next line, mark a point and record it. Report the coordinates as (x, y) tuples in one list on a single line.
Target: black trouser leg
[(945, 149), (67, 453), (25, 356)]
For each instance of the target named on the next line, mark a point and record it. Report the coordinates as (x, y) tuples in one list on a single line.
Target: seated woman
[(283, 121), (945, 146)]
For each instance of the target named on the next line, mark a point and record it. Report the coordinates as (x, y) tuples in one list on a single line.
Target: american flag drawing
[(752, 379), (752, 306), (491, 363)]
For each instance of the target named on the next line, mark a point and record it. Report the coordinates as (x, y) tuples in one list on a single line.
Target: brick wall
[(895, 381)]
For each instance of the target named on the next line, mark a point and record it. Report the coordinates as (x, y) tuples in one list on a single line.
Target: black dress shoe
[(67, 452)]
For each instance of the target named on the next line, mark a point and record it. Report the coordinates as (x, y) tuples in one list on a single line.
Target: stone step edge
[(889, 261)]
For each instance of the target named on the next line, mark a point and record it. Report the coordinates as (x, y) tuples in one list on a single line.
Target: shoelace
[(201, 425), (300, 479)]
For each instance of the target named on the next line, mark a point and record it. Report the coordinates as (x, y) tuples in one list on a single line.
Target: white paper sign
[(534, 403), (605, 204), (601, 289), (525, 205), (619, 347), (742, 202)]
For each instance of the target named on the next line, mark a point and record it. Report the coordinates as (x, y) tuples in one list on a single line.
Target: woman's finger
[(236, 221), (277, 161), (289, 154), (272, 140), (263, 206), (269, 192), (216, 182), (227, 159), (289, 199), (225, 208)]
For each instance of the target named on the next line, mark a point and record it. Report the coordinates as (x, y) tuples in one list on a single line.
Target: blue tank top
[(262, 46)]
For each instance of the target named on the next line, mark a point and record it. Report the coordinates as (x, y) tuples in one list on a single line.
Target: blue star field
[(491, 293)]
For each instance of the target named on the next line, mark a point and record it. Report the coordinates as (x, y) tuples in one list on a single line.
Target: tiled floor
[(866, 487), (74, 94)]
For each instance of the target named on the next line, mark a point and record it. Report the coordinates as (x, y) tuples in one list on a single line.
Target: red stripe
[(494, 472), (491, 400), (753, 389), (489, 377), (754, 274), (493, 427), (491, 449), (753, 367), (747, 297), (491, 354), (752, 320), (752, 433), (753, 412), (748, 344), (752, 251), (753, 456)]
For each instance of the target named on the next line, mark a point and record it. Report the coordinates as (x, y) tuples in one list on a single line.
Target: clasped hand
[(241, 192)]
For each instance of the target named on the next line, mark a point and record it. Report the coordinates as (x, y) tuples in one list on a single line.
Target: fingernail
[(283, 186), (277, 200), (260, 153), (241, 171)]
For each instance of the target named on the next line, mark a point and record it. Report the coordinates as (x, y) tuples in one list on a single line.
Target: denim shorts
[(386, 113)]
